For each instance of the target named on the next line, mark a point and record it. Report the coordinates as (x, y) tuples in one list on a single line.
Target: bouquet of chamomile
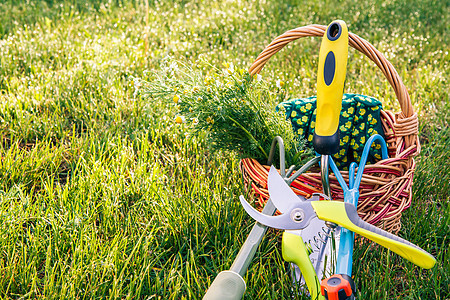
[(235, 110)]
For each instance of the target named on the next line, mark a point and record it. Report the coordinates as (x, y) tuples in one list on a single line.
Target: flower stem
[(250, 136)]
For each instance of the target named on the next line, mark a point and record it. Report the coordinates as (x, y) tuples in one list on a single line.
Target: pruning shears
[(298, 212)]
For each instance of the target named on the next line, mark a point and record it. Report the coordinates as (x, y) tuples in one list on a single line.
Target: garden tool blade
[(279, 191), (345, 214), (314, 235), (297, 217)]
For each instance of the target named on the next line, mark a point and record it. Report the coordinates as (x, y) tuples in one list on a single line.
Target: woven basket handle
[(406, 123)]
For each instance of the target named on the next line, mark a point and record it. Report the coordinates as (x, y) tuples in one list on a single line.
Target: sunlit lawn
[(102, 195)]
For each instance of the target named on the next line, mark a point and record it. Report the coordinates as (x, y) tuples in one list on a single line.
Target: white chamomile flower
[(180, 119), (279, 84)]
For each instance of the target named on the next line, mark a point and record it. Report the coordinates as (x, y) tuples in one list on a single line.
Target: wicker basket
[(385, 190)]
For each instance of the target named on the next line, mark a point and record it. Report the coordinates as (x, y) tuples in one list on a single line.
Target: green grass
[(102, 196)]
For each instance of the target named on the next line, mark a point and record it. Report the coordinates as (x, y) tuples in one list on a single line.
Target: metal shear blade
[(297, 212), (280, 193), (297, 217)]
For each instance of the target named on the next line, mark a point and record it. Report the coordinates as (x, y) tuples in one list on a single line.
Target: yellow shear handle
[(330, 87), (345, 214), (294, 251)]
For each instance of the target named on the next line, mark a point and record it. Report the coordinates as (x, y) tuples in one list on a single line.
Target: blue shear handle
[(351, 195), (357, 180), (365, 154)]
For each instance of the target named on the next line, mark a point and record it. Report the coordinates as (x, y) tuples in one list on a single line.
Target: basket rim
[(406, 122)]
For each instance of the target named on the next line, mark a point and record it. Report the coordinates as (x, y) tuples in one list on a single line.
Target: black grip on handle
[(326, 145)]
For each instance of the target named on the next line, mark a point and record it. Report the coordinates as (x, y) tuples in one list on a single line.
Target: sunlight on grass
[(104, 196)]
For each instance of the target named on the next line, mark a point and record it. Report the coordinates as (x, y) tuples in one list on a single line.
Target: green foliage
[(234, 110), (102, 195)]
